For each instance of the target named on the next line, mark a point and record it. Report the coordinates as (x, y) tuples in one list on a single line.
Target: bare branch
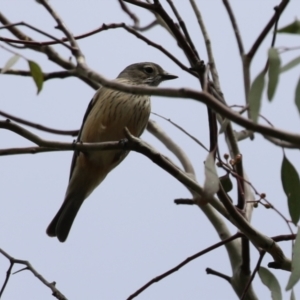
[(210, 271), (282, 144), (203, 97), (234, 26), (61, 25), (147, 27), (179, 266), (182, 130), (261, 256), (131, 15), (35, 29), (46, 76), (183, 27), (38, 126), (268, 27), (55, 292), (47, 50), (55, 144), (207, 41), (173, 147)]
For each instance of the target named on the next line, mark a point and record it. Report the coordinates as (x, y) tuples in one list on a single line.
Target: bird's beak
[(167, 76)]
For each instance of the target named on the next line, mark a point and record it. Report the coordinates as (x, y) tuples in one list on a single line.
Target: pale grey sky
[(129, 230)]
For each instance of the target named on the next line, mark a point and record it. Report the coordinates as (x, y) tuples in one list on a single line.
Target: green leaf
[(37, 74), (255, 95), (270, 281), (226, 183), (291, 186), (10, 63), (211, 182), (293, 63), (274, 70), (295, 275), (297, 95), (293, 28)]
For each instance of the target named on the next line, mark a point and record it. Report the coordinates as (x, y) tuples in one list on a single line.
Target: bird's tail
[(62, 222)]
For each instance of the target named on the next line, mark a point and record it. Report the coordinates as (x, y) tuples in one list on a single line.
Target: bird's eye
[(148, 70)]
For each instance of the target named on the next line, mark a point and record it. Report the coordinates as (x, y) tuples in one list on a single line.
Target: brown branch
[(107, 27), (203, 97), (38, 126), (55, 292), (234, 26), (262, 254), (210, 271), (182, 42), (179, 266), (47, 50), (46, 76), (131, 15), (35, 29), (182, 130), (153, 128), (61, 25), (183, 27), (268, 27), (146, 27), (55, 145), (284, 237), (135, 144)]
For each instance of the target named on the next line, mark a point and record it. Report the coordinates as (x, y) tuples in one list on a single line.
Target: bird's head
[(146, 73)]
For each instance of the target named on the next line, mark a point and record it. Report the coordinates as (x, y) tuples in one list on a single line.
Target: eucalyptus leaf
[(226, 183), (291, 186), (10, 63), (271, 282), (297, 95), (293, 28), (274, 71), (211, 182), (295, 274), (255, 95), (293, 63), (37, 74)]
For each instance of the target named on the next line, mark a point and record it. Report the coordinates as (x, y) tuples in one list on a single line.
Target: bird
[(107, 115)]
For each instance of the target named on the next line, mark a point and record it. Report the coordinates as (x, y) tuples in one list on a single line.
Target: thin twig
[(38, 126), (261, 256), (268, 27), (182, 130), (146, 27), (182, 42), (131, 15), (47, 50), (55, 292), (179, 266), (210, 271), (208, 46), (153, 128), (46, 76), (203, 97), (234, 26), (35, 29), (61, 25), (183, 27)]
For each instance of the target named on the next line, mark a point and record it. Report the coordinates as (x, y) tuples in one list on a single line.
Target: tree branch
[(38, 126), (61, 25), (179, 266), (55, 292)]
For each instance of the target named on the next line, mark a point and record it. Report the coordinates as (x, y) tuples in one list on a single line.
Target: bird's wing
[(76, 152)]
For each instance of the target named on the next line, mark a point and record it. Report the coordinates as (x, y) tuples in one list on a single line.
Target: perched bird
[(109, 112)]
